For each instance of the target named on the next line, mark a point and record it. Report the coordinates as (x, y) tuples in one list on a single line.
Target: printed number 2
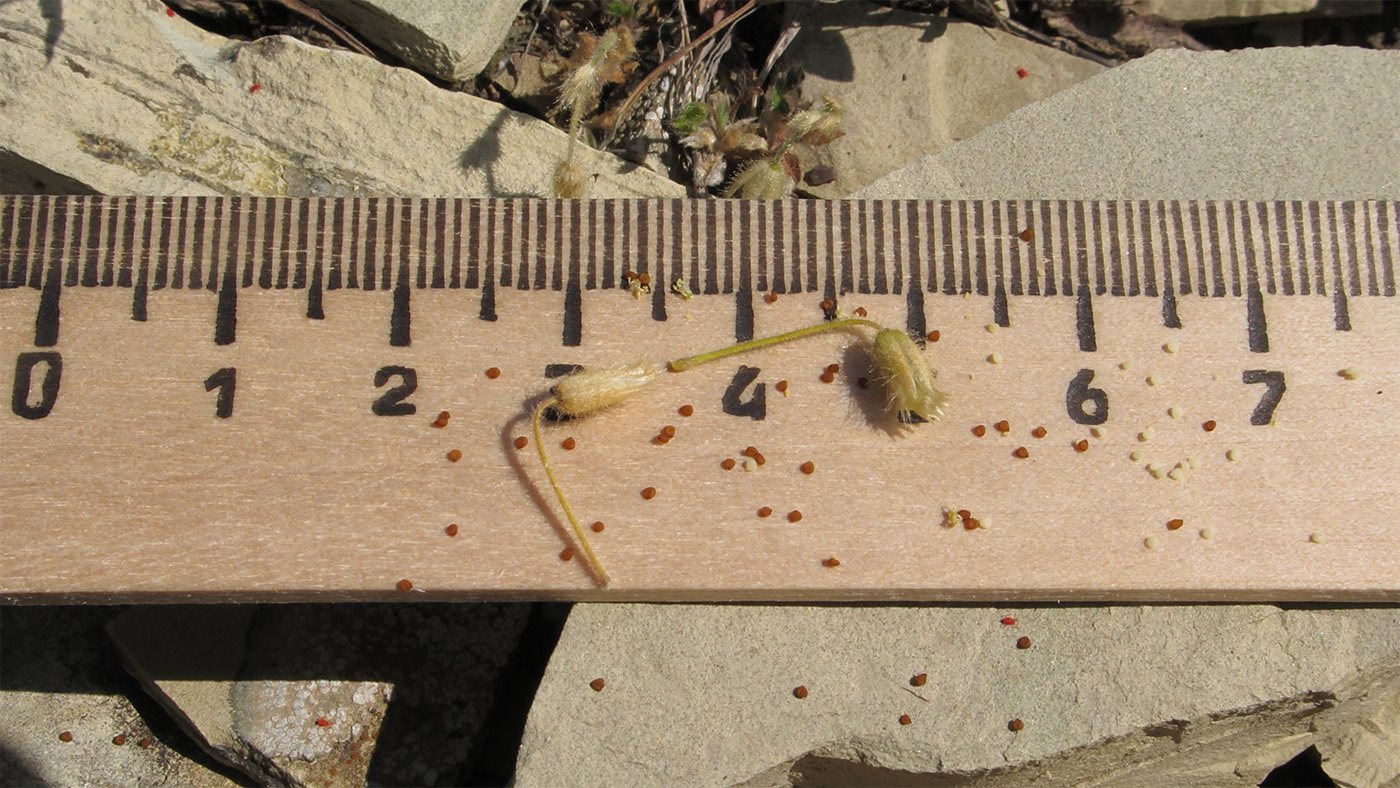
[(392, 402), (1273, 392)]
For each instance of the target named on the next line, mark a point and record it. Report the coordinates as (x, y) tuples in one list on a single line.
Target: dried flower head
[(908, 376), (765, 179), (591, 390), (819, 125), (569, 180)]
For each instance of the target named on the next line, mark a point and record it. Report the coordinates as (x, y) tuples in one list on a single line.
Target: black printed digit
[(391, 403)]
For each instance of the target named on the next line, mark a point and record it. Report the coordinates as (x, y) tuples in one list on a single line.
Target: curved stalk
[(690, 362), (592, 557)]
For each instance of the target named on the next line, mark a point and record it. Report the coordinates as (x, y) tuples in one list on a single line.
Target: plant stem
[(689, 362), (592, 557)]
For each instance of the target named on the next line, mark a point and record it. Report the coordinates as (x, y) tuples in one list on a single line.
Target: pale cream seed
[(1153, 380), (1146, 435), (1156, 469), (992, 328), (1193, 463), (1233, 455), (1152, 542), (1176, 474), (995, 358), (1351, 373), (1208, 532), (1126, 365), (1098, 432), (1175, 412), (750, 464), (1172, 346), (1136, 455), (1317, 537)]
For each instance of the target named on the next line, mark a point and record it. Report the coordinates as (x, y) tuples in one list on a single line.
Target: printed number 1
[(224, 380)]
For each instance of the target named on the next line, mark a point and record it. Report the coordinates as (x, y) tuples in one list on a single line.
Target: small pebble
[(1171, 346), (994, 358), (1233, 455), (1151, 542), (1317, 537), (1351, 373)]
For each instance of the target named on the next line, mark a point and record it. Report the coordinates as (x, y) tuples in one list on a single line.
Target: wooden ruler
[(234, 398)]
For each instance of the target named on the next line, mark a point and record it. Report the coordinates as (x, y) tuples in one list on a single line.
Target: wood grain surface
[(209, 400)]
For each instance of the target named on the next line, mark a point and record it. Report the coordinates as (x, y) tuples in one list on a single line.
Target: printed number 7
[(1273, 392)]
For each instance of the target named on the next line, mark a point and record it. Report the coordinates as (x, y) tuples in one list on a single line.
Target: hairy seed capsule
[(591, 390), (908, 376)]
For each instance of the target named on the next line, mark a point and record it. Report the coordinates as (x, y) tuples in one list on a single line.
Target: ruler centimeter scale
[(253, 419)]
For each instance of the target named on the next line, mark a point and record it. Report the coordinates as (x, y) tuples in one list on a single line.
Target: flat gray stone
[(913, 84), (453, 41), (1266, 124), (298, 695), (117, 97), (1121, 696), (60, 675)]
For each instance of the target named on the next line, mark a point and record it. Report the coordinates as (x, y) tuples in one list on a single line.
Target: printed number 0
[(1080, 394)]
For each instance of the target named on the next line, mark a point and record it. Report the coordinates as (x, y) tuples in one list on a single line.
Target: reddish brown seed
[(727, 464), (668, 431), (568, 444), (404, 585), (1039, 432), (454, 455), (522, 442), (758, 458), (597, 527), (830, 563), (597, 685), (781, 386), (660, 440), (1026, 234), (648, 493), (451, 530), (686, 410), (965, 514), (566, 554), (749, 451), (645, 279), (863, 382), (1081, 445), (919, 680), (1173, 525), (794, 516), (442, 419), (827, 377), (808, 467), (1015, 725), (827, 305), (905, 719), (322, 722), (979, 430), (833, 368), (1022, 452), (1003, 426), (764, 511), (799, 692), (860, 311), (971, 524), (493, 373), (66, 736), (1023, 642), (1209, 426), (145, 742), (630, 276), (771, 297), (119, 739)]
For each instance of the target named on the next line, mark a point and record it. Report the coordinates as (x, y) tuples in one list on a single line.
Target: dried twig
[(321, 19), (620, 115)]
